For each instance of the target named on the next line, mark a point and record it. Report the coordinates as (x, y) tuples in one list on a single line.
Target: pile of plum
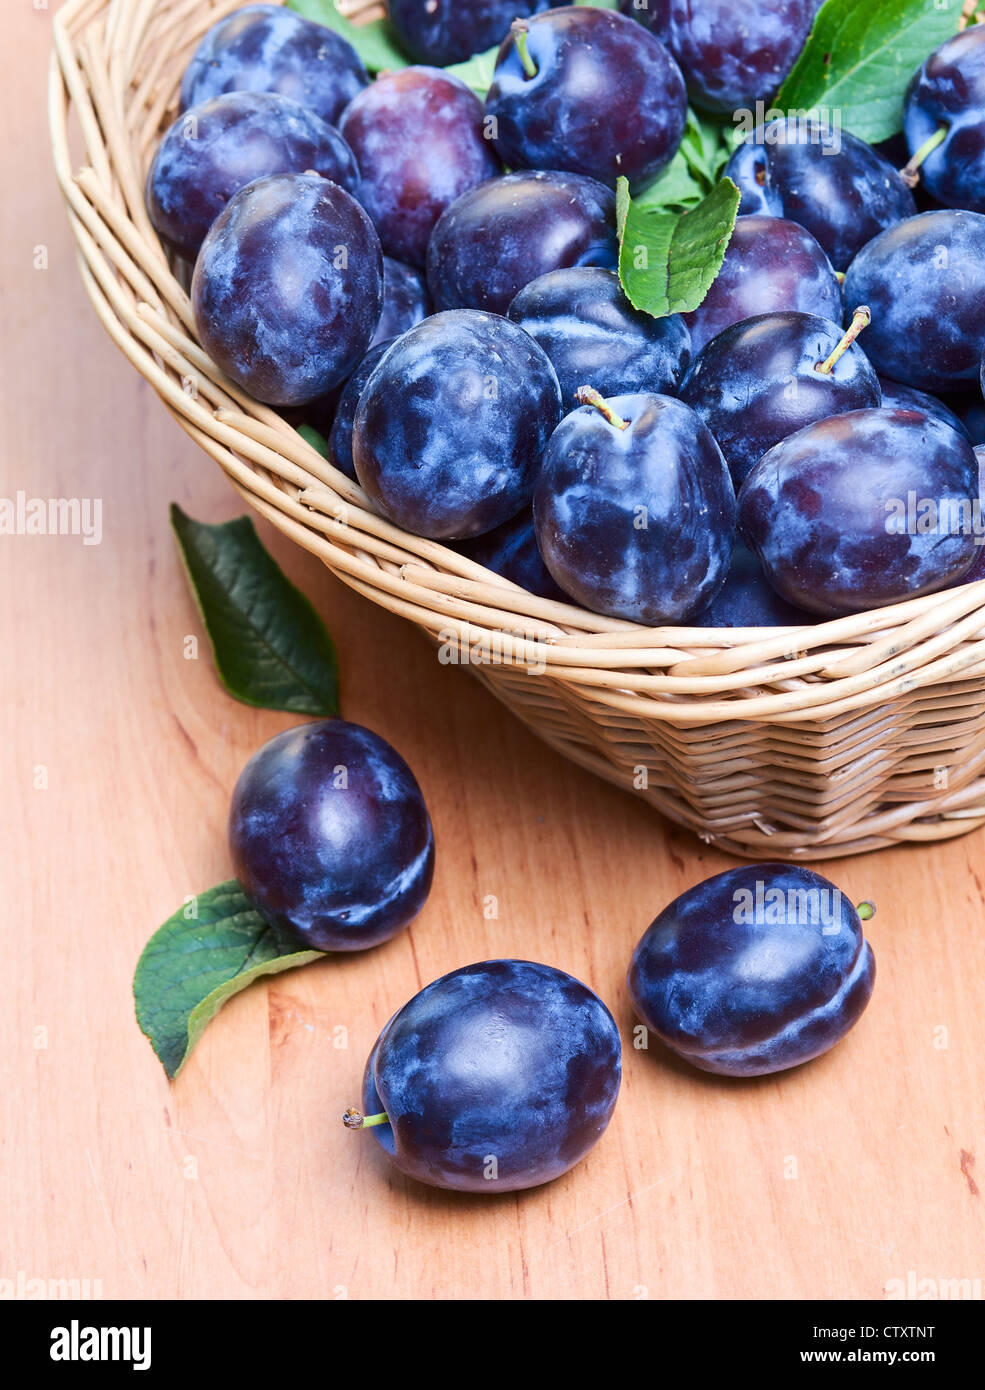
[(431, 282)]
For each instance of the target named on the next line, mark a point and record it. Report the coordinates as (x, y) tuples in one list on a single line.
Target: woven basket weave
[(775, 742)]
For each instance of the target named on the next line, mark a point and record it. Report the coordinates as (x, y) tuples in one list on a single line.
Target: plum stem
[(866, 910), (587, 395), (518, 30), (354, 1119), (861, 318), (910, 172)]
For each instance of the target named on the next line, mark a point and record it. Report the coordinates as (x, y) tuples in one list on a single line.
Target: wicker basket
[(782, 743)]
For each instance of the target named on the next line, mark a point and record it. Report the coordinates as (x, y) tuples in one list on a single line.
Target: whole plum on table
[(452, 423), (587, 91), (771, 264), (733, 52), (288, 288), (827, 180), (330, 836), (511, 550), (498, 237), (448, 31), (765, 377), (340, 434), (753, 971), (405, 300), (267, 48), (863, 509), (747, 599), (898, 397), (634, 508), (417, 136), (944, 121), (924, 281), (591, 332), (215, 149), (499, 1076), (652, 14)]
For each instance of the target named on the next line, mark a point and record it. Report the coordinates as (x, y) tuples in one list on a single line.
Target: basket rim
[(677, 675)]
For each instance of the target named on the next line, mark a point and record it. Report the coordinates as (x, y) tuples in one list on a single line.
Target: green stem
[(861, 318), (354, 1119), (519, 29), (910, 173), (587, 395)]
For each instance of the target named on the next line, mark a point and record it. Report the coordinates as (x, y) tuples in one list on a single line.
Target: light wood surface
[(239, 1181)]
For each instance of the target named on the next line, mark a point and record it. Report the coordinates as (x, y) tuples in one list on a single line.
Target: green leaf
[(191, 966), (675, 190), (270, 646), (317, 441), (668, 260), (375, 42), (476, 72), (859, 58)]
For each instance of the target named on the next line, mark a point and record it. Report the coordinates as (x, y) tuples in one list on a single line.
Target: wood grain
[(239, 1181)]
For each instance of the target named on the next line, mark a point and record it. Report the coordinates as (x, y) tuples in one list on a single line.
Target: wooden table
[(239, 1181)]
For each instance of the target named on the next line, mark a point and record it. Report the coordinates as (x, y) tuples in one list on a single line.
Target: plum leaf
[(858, 60), (271, 648), (668, 260), (209, 950), (375, 42)]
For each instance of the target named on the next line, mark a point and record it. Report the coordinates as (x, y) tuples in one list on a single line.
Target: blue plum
[(417, 136), (827, 180), (447, 31), (947, 94), (898, 397), (977, 570), (592, 333), (344, 415), (771, 264), (511, 550), (634, 508), (498, 237), (215, 149), (499, 1076), (267, 48), (924, 281), (587, 91), (288, 288), (753, 971), (765, 377), (733, 52), (405, 300), (747, 599), (863, 509), (452, 424), (330, 836)]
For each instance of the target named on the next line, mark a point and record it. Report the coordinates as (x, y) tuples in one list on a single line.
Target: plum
[(591, 332), (496, 1077), (863, 509), (771, 264), (448, 31), (634, 508), (452, 423), (417, 136), (753, 971), (288, 288), (267, 48), (215, 149), (498, 237), (330, 836), (588, 91)]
